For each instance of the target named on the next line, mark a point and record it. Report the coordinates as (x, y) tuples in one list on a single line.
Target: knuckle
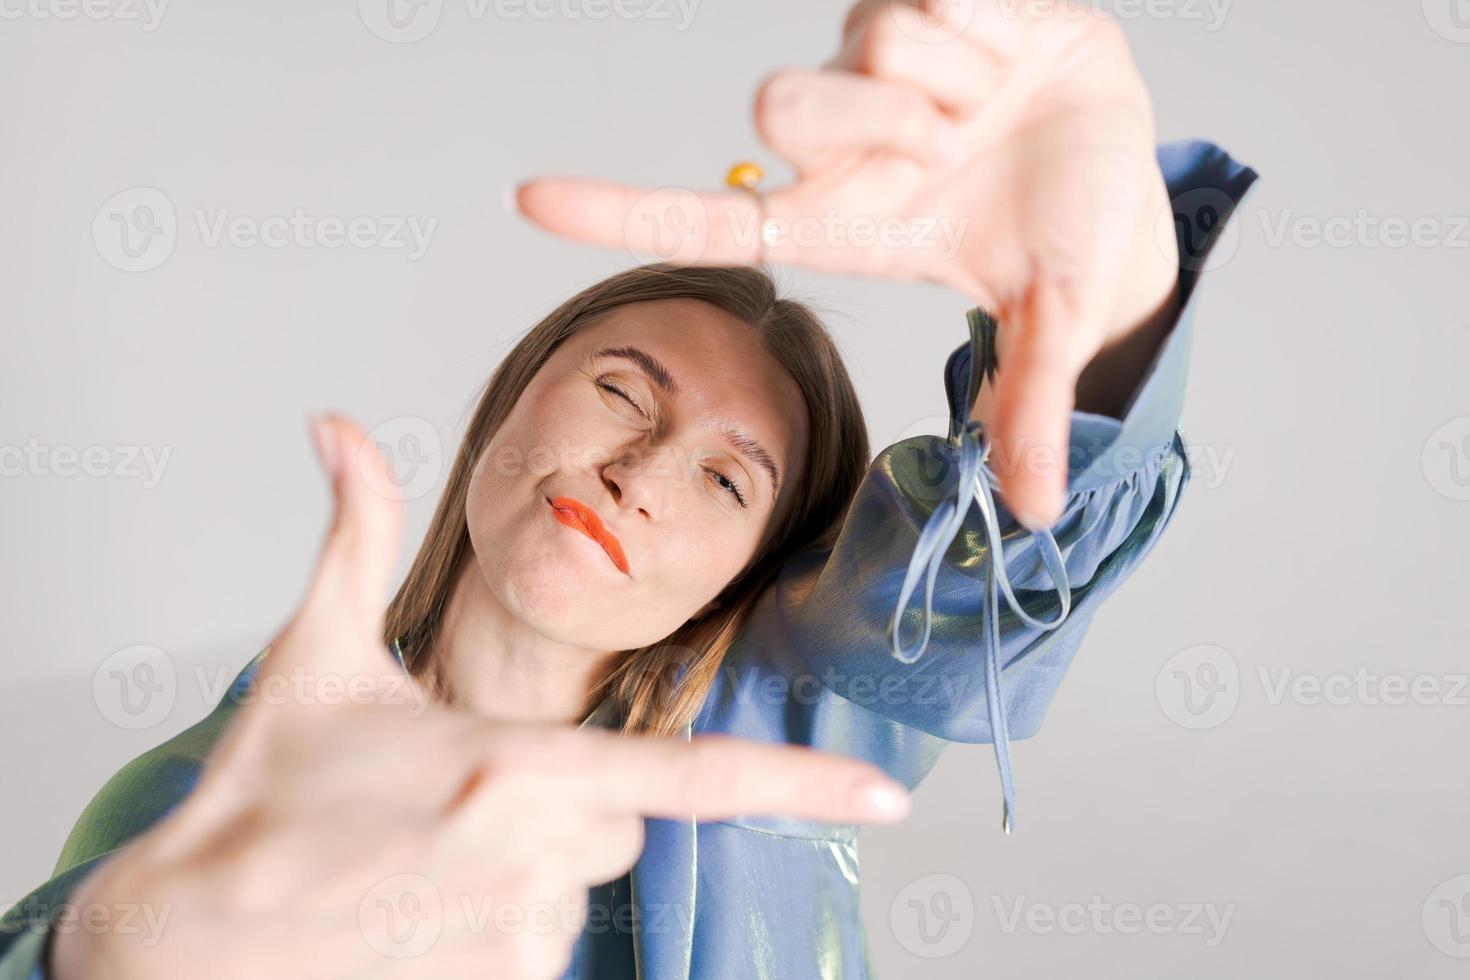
[(486, 784), (504, 764), (625, 838), (518, 881), (414, 843), (254, 883), (879, 45), (558, 752), (561, 746), (917, 123), (778, 100)]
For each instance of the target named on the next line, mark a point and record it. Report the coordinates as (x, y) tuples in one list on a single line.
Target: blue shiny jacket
[(913, 630)]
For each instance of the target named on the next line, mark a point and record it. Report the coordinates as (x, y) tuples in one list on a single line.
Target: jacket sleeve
[(825, 623), (135, 798)]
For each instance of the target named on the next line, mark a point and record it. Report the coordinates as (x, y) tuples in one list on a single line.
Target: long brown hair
[(661, 687)]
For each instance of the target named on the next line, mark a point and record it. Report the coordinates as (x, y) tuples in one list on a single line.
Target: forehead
[(721, 366)]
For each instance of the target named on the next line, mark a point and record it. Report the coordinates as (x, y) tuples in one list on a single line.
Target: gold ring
[(746, 176)]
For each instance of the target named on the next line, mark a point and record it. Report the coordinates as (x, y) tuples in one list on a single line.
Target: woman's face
[(682, 435)]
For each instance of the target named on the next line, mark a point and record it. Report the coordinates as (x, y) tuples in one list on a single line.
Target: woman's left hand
[(1000, 147)]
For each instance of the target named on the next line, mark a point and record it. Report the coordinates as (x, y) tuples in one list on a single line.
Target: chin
[(539, 573), (546, 594)]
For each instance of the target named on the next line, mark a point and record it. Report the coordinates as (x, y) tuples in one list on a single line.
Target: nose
[(642, 480)]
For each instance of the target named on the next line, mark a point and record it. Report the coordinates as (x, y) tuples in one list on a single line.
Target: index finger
[(717, 777), (676, 224)]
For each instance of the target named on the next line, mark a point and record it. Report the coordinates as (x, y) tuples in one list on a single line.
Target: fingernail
[(1036, 522), (881, 801), (323, 444), (1030, 521)]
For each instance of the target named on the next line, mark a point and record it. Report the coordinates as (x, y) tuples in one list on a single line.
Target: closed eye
[(720, 479), (623, 395)]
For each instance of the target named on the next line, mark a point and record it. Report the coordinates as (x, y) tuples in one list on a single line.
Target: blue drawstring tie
[(974, 486)]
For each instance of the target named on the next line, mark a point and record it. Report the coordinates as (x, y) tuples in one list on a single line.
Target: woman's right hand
[(1001, 147), (344, 825)]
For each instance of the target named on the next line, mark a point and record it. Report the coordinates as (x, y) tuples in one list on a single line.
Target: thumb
[(337, 631), (1035, 392)]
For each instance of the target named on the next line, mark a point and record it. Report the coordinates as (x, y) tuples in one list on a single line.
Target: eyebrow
[(660, 376)]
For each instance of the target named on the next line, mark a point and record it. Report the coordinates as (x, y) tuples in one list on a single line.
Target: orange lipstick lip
[(578, 516)]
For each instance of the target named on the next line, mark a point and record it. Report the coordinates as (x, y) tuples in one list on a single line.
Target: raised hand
[(344, 825), (1000, 147)]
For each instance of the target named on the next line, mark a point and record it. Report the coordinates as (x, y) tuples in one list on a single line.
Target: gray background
[(1318, 540)]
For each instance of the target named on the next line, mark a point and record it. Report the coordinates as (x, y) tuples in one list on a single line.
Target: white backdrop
[(1321, 541)]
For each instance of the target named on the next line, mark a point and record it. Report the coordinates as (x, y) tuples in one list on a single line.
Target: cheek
[(695, 562), (705, 557), (548, 431)]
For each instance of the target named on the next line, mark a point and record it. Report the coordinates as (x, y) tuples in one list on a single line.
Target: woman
[(663, 518)]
